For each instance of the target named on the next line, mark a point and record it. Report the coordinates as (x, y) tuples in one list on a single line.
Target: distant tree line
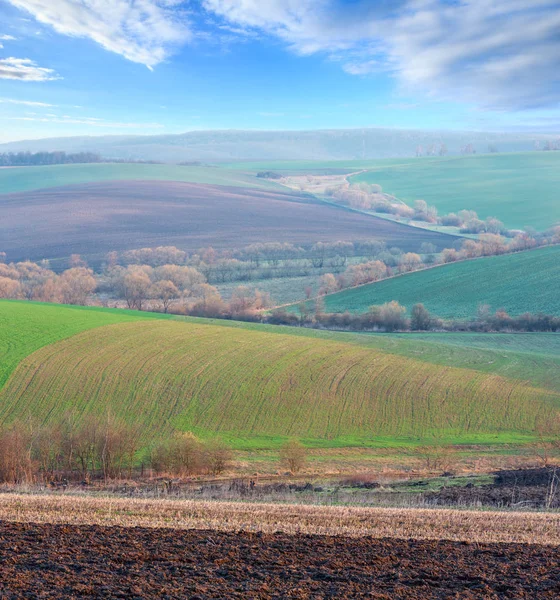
[(31, 159), (392, 317), (24, 159)]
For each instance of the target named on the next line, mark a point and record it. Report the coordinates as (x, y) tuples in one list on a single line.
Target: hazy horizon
[(71, 69)]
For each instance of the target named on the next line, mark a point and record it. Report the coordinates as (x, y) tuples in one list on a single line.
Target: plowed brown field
[(92, 219), (64, 561)]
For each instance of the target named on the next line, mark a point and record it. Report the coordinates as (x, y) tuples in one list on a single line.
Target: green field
[(522, 282), (249, 382), (520, 189), (23, 179), (318, 167)]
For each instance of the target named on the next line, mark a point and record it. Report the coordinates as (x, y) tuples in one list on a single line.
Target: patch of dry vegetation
[(403, 523)]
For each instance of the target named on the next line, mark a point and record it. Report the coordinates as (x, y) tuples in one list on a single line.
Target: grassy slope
[(522, 282), (246, 382), (519, 189), (22, 179), (534, 357), (26, 327)]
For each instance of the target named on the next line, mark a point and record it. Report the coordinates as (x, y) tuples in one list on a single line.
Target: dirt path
[(63, 561)]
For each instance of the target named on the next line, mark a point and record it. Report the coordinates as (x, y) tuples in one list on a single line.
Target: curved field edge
[(24, 179), (520, 189), (26, 327), (522, 282), (246, 384), (531, 357)]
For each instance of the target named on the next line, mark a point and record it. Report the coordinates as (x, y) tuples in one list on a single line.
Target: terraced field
[(523, 282), (246, 382), (23, 179), (520, 189)]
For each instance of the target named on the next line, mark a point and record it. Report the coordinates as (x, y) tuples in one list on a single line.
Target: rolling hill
[(247, 382), (519, 189), (93, 219), (23, 179), (522, 282), (235, 145)]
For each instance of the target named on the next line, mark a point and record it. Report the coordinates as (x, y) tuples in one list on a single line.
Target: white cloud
[(495, 53), (24, 69), (143, 31), (25, 102), (7, 38)]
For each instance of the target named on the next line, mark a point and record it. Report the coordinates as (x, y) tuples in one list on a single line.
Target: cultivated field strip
[(20, 179), (207, 378), (96, 218), (521, 282), (404, 523)]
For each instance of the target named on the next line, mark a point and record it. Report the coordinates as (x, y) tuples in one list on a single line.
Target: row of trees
[(392, 316), (31, 159), (102, 447), (365, 196), (271, 253), (19, 159), (31, 281), (106, 448)]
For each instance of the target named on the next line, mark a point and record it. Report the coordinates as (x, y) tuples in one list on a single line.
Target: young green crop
[(522, 282), (245, 383)]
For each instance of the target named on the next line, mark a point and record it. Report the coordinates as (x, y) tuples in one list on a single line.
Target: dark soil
[(60, 561)]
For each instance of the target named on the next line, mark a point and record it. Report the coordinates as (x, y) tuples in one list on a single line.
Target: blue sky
[(92, 67)]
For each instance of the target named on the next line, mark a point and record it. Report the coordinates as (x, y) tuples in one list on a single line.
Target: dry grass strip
[(458, 525)]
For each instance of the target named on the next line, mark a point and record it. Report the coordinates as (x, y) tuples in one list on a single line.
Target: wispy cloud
[(24, 69), (7, 38), (494, 53), (143, 31), (25, 102)]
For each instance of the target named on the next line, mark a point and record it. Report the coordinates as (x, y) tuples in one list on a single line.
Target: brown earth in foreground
[(64, 561), (92, 219)]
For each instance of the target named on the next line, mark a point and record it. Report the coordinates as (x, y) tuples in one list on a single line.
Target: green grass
[(520, 189), (254, 385), (522, 282), (22, 179), (26, 327)]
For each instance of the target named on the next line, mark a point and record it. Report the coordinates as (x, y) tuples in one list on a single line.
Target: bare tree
[(165, 291), (217, 456), (293, 455)]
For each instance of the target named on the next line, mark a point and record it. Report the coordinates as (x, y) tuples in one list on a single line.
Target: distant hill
[(232, 145)]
